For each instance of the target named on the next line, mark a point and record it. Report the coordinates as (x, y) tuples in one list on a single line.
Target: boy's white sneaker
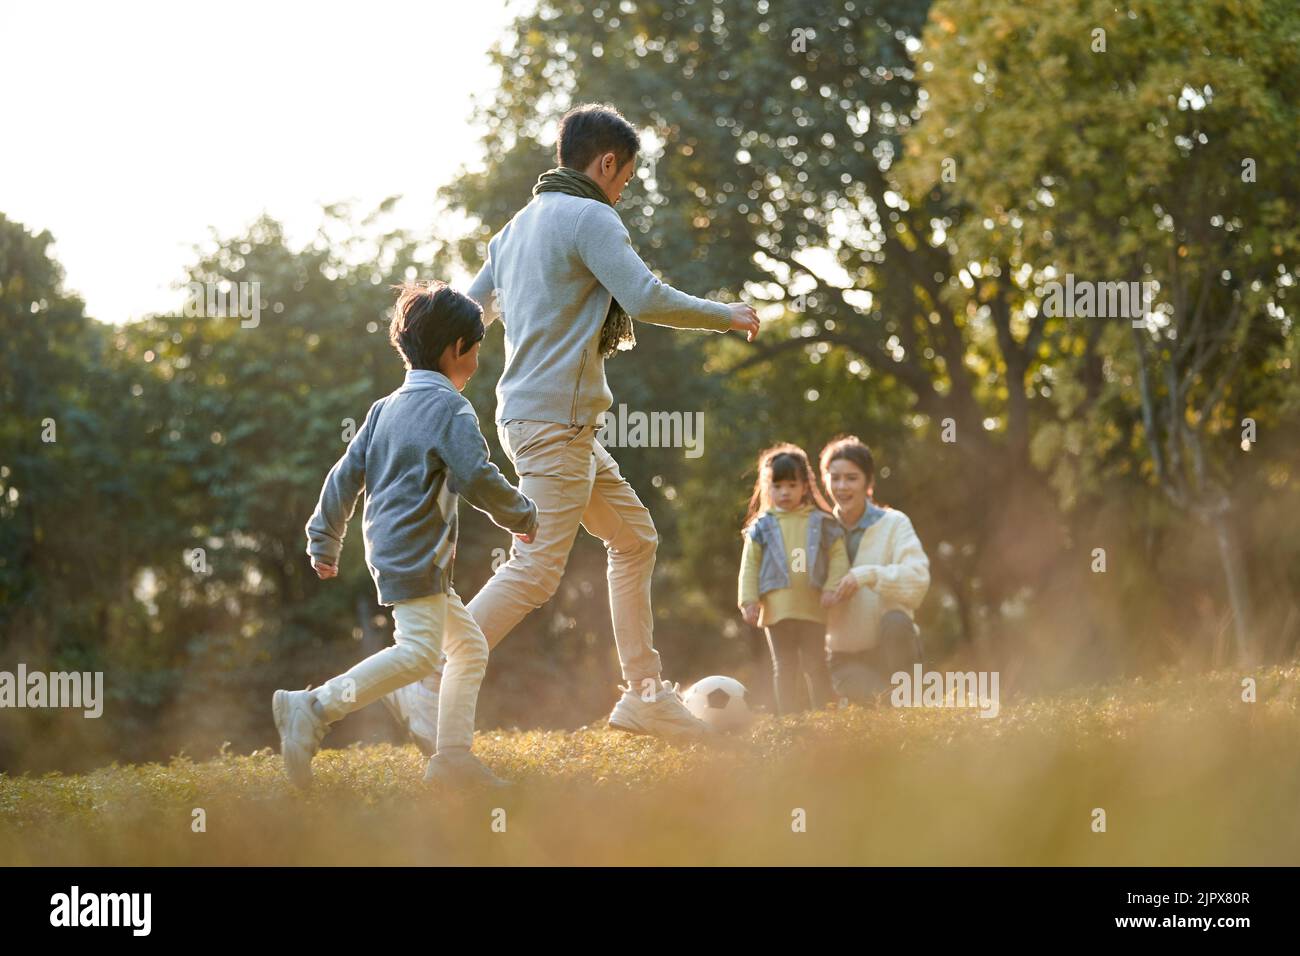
[(415, 708), (663, 716), (301, 732), (461, 770)]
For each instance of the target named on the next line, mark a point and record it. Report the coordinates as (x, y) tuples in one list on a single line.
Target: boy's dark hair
[(849, 448), (429, 317), (589, 131)]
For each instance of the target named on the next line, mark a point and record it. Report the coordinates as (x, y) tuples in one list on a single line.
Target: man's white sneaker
[(301, 732), (415, 708), (461, 770), (663, 716)]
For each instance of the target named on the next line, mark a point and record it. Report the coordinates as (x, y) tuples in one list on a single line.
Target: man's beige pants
[(574, 481)]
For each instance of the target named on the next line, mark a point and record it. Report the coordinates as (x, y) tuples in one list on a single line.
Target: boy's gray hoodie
[(418, 449), (549, 276)]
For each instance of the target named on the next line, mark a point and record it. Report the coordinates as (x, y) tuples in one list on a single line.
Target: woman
[(870, 631)]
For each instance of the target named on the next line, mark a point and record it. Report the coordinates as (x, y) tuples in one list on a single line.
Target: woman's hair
[(848, 448), (590, 131), (429, 317), (783, 462)]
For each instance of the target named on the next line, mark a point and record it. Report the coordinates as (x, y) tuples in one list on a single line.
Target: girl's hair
[(848, 448), (429, 317), (783, 462)]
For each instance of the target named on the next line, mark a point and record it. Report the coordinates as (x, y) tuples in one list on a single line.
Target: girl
[(870, 633), (793, 557)]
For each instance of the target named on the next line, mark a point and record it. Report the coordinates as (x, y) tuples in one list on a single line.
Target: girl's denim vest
[(773, 573)]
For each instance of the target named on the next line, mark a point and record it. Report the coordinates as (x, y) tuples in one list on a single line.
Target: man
[(564, 279)]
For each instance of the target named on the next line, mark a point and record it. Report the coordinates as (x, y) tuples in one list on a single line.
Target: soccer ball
[(721, 702)]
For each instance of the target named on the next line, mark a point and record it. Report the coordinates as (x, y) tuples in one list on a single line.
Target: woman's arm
[(905, 579)]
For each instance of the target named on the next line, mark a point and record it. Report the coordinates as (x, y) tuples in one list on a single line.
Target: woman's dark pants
[(864, 674)]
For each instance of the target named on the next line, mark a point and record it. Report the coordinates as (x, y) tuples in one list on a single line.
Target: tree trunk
[(1238, 588)]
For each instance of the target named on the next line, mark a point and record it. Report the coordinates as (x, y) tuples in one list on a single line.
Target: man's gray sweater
[(417, 451), (549, 276)]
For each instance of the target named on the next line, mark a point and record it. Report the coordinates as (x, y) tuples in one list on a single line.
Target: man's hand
[(324, 571), (848, 584), (750, 613), (744, 319)]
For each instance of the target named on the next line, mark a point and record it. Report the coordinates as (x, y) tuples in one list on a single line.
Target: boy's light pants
[(574, 481), (423, 629)]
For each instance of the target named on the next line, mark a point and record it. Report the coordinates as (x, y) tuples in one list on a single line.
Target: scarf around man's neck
[(616, 334)]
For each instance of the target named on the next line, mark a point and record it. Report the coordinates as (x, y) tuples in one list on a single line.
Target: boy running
[(417, 452)]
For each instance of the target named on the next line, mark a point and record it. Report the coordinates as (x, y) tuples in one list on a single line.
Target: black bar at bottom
[(238, 905)]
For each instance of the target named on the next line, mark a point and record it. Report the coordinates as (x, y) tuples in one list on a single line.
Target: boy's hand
[(848, 584), (750, 613), (828, 598), (324, 571), (744, 319)]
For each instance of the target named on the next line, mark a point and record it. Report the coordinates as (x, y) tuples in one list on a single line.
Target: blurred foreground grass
[(1187, 773)]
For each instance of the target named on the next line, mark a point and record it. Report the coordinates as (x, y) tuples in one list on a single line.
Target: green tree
[(773, 133), (68, 492), (1147, 144)]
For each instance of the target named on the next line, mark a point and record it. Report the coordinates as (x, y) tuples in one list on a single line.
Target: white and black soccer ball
[(721, 702)]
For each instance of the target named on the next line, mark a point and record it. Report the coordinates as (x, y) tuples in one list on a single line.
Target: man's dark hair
[(589, 131), (428, 318)]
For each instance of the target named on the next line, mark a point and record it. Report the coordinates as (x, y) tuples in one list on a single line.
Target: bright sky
[(131, 127)]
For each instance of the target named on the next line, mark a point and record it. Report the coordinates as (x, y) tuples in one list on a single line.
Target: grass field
[(1186, 772)]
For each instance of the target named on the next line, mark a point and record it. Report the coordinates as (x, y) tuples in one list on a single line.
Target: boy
[(417, 451)]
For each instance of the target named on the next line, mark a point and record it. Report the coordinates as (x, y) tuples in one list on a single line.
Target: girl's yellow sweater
[(800, 601)]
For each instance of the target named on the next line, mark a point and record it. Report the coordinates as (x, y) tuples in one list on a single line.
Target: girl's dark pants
[(798, 652)]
